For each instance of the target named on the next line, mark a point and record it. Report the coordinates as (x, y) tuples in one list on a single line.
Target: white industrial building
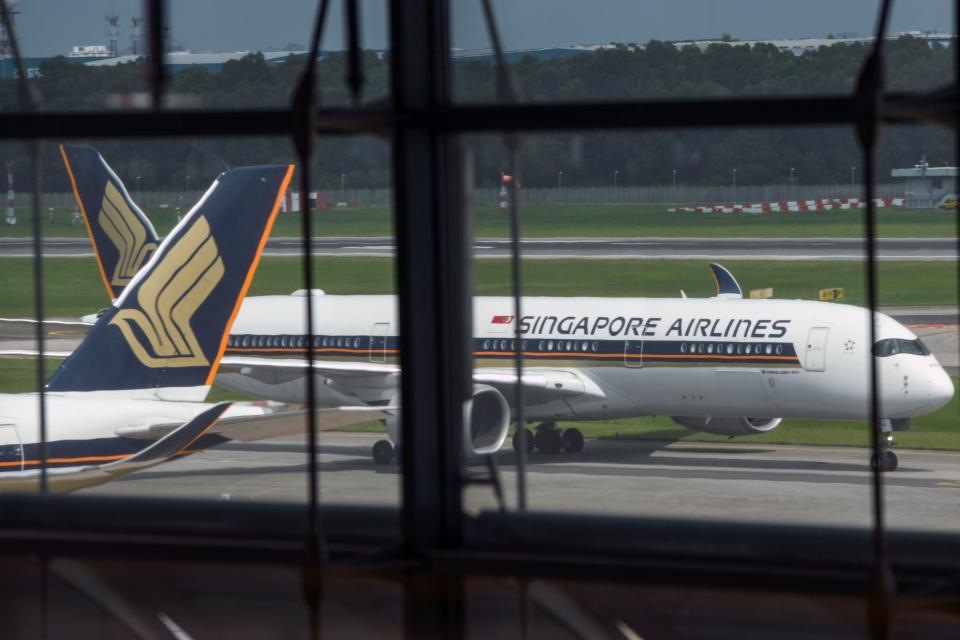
[(927, 186)]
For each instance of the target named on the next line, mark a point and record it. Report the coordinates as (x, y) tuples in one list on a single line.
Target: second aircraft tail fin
[(122, 236)]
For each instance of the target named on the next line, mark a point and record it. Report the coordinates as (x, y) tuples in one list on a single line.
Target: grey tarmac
[(734, 481)]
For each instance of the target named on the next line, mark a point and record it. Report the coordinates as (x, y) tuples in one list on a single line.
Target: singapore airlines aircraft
[(129, 396), (723, 365)]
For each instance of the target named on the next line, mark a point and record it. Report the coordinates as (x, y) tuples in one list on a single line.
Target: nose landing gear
[(550, 439), (885, 459)]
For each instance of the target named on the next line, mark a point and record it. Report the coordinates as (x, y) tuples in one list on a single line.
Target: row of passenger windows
[(507, 346), (567, 346), (297, 342), (731, 348)]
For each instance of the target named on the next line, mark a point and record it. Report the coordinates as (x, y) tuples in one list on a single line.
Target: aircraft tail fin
[(122, 236), (727, 285), (168, 329)]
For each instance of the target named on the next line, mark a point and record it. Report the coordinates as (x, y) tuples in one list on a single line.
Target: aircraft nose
[(940, 386)]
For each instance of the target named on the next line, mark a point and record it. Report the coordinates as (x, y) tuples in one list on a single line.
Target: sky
[(50, 27)]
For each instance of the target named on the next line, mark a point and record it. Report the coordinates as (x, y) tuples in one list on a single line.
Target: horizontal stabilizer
[(283, 422), (177, 440), (64, 480), (727, 285)]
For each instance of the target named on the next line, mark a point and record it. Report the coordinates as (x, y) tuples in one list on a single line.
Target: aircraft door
[(816, 358), (633, 354), (378, 342), (11, 451)]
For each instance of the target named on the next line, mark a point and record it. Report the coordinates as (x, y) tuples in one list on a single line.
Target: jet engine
[(486, 419), (728, 426)]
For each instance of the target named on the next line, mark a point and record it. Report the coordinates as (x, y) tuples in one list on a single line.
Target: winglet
[(727, 285)]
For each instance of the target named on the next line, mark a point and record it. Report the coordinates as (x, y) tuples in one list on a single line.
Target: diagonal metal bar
[(28, 102), (303, 110), (157, 32), (355, 77), (506, 93), (881, 597)]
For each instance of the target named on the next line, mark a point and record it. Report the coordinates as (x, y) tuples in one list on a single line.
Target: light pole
[(674, 186), (853, 181), (734, 186), (343, 177), (793, 187), (560, 187), (138, 187), (616, 172), (187, 181)]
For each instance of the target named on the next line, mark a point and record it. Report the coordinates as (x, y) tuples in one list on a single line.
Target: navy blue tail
[(122, 236), (726, 283), (170, 325)]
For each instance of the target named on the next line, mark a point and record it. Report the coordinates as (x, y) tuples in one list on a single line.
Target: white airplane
[(723, 365), (129, 397)]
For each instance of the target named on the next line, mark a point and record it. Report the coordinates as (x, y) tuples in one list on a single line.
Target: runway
[(925, 249), (735, 481)]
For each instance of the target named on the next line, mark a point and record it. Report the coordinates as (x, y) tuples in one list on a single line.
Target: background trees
[(658, 71)]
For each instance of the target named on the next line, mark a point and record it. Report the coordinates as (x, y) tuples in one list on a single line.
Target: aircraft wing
[(174, 444), (287, 422), (540, 384), (339, 370)]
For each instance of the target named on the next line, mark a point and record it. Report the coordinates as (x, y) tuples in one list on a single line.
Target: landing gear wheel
[(382, 452), (886, 460), (548, 438), (890, 461), (529, 439), (572, 441)]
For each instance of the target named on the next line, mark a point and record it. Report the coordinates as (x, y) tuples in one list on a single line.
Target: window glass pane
[(696, 407), (619, 50)]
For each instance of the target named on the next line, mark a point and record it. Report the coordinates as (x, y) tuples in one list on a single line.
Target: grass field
[(74, 287), (940, 430), (582, 221)]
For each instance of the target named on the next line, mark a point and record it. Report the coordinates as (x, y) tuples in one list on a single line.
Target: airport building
[(927, 187)]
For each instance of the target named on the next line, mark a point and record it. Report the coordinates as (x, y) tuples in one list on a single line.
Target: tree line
[(823, 155)]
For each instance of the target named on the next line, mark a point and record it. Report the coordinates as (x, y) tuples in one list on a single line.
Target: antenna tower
[(112, 20), (135, 35), (5, 49)]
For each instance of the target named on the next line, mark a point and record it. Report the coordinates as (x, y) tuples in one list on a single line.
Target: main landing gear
[(885, 459), (550, 439), (382, 452)]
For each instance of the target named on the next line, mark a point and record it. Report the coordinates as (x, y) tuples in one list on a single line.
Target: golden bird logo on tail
[(127, 233), (168, 299)]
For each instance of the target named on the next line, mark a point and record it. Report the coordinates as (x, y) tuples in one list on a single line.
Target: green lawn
[(74, 287), (581, 221), (940, 430)]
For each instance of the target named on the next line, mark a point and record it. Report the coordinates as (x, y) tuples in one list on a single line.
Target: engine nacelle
[(486, 419), (728, 426)]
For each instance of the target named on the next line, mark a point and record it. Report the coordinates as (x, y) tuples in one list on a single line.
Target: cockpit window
[(893, 346)]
